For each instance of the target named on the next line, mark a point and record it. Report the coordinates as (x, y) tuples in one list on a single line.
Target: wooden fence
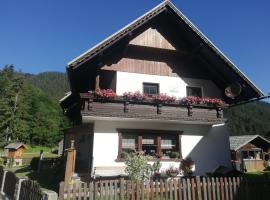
[(22, 189), (199, 188), (10, 184), (254, 165), (1, 175)]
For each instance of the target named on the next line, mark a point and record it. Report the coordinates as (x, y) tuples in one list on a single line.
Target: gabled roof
[(162, 7), (236, 142), (15, 146)]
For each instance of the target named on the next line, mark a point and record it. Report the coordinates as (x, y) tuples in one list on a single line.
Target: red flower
[(164, 98), (190, 100), (105, 94), (135, 96)]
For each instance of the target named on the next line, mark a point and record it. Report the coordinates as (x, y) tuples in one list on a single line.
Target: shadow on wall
[(212, 150)]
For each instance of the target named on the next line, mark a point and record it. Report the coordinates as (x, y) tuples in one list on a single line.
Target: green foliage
[(156, 166), (137, 167), (27, 113), (54, 84), (249, 119)]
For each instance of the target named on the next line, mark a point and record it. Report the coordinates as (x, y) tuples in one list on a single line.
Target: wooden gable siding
[(148, 53), (152, 38)]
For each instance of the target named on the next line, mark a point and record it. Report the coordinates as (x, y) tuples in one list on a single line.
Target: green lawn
[(257, 174), (49, 176)]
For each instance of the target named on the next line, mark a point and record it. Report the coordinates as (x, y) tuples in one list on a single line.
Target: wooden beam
[(97, 85)]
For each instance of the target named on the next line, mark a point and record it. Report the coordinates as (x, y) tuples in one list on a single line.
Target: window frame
[(158, 137), (191, 86), (150, 83)]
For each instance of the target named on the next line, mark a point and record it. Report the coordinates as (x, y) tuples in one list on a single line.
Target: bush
[(137, 167), (174, 154)]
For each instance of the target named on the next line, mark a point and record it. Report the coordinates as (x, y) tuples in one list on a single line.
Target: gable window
[(194, 91), (150, 88), (158, 144)]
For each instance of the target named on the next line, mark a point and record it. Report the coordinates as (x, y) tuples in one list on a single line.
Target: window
[(194, 91), (151, 142), (150, 88)]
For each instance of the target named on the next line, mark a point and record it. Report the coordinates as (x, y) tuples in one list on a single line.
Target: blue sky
[(43, 35)]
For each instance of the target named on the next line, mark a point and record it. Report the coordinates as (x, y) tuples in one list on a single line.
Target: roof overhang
[(162, 7)]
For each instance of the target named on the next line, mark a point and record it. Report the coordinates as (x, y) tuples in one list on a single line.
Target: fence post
[(61, 190), (3, 182), (49, 195), (18, 188), (121, 189), (70, 165)]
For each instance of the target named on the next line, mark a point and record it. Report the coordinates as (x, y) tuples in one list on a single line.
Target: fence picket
[(213, 189), (198, 188), (218, 192), (175, 189), (185, 189), (222, 188), (189, 189), (161, 189), (171, 188), (193, 188), (166, 190), (230, 188), (180, 189), (156, 190), (209, 188), (204, 189)]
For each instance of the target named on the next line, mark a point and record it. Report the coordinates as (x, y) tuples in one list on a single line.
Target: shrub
[(137, 167), (172, 171), (174, 154), (186, 166)]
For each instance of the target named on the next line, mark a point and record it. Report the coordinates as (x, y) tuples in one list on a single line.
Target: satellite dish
[(233, 90)]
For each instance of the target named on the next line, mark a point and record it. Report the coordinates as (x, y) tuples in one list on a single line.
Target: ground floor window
[(158, 144)]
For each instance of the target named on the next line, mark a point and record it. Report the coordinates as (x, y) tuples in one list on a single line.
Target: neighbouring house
[(155, 86), (249, 152), (14, 153)]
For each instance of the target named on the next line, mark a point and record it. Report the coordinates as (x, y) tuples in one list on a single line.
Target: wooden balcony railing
[(119, 107)]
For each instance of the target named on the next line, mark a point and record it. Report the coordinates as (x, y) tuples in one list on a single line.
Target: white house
[(159, 53)]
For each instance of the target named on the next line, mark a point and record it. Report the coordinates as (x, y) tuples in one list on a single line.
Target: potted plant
[(174, 154), (172, 171), (186, 166), (156, 169)]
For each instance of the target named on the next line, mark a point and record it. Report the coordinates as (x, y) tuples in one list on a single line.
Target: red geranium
[(105, 94)]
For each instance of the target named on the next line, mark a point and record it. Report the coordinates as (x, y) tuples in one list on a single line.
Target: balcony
[(119, 107)]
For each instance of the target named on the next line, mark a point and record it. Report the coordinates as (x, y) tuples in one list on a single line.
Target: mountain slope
[(54, 84), (252, 118)]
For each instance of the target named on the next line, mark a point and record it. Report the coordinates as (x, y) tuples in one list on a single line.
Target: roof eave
[(78, 61)]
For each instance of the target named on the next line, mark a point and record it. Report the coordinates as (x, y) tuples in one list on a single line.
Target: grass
[(36, 149), (257, 174), (48, 178)]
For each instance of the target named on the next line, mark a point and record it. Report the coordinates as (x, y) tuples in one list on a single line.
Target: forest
[(30, 111), (29, 108)]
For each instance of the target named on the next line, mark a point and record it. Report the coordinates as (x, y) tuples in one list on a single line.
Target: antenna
[(233, 90)]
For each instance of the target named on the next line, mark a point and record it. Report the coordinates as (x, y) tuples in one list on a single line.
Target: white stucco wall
[(174, 86), (207, 146)]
